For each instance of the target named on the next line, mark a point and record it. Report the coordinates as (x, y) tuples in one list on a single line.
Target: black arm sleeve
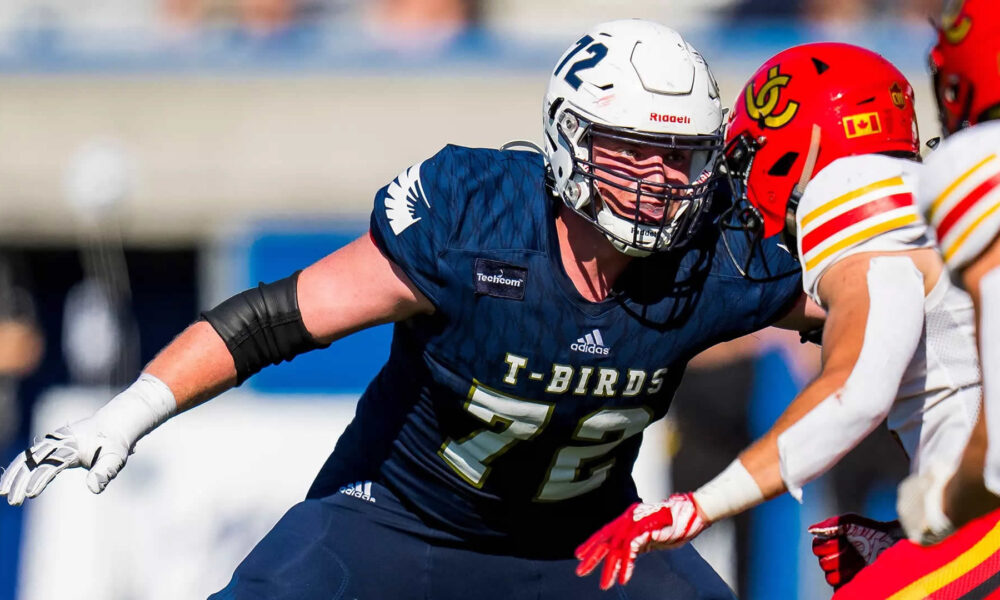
[(262, 326)]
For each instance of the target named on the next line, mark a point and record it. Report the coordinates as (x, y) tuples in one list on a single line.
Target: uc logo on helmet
[(761, 104), (955, 25)]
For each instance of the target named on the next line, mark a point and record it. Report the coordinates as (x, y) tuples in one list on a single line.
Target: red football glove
[(845, 544), (641, 528)]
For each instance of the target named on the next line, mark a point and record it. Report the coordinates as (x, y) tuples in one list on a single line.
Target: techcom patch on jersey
[(494, 278)]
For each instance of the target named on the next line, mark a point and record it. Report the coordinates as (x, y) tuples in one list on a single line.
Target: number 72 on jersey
[(511, 420)]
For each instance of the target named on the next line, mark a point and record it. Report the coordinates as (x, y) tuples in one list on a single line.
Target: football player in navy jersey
[(545, 306)]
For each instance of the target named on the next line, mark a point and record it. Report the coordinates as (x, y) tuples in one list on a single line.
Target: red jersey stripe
[(965, 204), (853, 216)]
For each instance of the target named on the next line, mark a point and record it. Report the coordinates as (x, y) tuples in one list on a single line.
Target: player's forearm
[(825, 424), (196, 366), (870, 340), (755, 476), (762, 458)]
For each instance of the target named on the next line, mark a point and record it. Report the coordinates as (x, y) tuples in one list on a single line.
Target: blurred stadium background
[(157, 156)]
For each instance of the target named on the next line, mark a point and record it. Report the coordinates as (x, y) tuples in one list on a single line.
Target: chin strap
[(626, 249), (807, 170), (800, 187), (522, 144)]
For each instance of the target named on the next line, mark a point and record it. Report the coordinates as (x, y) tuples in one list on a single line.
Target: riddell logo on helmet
[(668, 118)]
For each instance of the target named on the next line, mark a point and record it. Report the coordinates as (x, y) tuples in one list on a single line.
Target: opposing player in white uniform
[(822, 143), (960, 195)]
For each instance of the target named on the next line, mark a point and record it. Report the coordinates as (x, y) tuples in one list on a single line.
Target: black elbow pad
[(262, 326)]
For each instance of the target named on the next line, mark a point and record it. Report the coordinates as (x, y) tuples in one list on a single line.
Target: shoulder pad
[(959, 192), (857, 204)]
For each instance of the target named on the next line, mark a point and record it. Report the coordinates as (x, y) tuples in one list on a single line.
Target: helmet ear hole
[(783, 165), (821, 67), (555, 107)]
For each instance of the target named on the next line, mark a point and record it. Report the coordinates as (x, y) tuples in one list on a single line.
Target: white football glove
[(920, 506), (82, 444), (100, 443)]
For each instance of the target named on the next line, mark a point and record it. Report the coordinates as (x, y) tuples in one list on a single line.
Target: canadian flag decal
[(862, 125)]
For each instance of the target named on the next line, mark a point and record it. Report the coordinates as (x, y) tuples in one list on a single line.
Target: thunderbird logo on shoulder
[(500, 280), (404, 196), (862, 125)]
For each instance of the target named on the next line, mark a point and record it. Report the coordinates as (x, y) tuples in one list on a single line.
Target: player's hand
[(100, 443), (82, 444), (845, 544), (920, 505), (641, 528)]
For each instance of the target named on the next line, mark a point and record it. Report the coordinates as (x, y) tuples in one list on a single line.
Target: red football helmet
[(965, 63), (803, 109)]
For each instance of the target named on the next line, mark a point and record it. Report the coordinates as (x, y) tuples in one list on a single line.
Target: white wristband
[(139, 409), (920, 505), (731, 492), (939, 526)]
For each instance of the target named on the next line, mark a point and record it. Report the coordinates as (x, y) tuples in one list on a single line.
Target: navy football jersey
[(512, 416)]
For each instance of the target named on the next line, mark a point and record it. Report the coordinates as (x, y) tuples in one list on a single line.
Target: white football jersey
[(866, 204), (959, 192), (857, 204), (940, 394)]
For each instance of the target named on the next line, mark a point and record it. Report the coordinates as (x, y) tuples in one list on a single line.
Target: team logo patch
[(405, 195), (500, 280), (591, 343), (897, 95), (762, 103), (861, 125)]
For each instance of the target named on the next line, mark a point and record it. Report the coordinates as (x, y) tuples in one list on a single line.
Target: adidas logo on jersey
[(361, 490), (592, 343)]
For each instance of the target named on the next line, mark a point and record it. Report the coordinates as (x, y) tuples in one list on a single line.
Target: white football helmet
[(640, 82)]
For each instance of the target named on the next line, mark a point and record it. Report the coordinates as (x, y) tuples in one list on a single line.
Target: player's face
[(627, 162)]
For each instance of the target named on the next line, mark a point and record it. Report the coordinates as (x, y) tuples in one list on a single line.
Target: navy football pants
[(346, 548)]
